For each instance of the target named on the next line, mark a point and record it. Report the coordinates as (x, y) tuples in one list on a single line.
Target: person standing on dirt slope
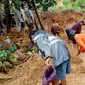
[(54, 24), (55, 53), (18, 18), (75, 29), (23, 16), (30, 19)]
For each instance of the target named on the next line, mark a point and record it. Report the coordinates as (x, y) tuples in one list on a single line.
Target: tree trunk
[(7, 14), (37, 14)]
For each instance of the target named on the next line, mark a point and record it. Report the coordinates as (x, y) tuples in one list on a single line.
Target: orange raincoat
[(80, 39)]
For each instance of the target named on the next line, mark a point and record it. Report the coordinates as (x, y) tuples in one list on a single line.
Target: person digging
[(80, 42), (75, 29)]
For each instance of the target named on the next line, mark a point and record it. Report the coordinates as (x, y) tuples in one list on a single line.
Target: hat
[(82, 22)]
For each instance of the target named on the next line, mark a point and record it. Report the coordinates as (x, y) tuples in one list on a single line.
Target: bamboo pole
[(37, 14)]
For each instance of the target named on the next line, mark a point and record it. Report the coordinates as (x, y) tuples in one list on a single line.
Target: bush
[(66, 2), (78, 5)]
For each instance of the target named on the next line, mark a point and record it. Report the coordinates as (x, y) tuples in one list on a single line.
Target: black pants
[(70, 37), (31, 26), (22, 25)]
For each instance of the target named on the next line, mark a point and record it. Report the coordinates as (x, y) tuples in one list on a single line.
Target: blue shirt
[(30, 16)]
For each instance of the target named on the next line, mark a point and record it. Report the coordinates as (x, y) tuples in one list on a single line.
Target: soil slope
[(30, 72)]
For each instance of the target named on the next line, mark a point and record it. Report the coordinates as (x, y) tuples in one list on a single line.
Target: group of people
[(50, 46), (55, 52), (23, 17), (76, 36)]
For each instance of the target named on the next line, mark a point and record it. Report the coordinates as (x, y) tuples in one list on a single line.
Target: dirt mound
[(30, 72), (65, 19)]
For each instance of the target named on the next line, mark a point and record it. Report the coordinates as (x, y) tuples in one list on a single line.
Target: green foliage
[(3, 55), (45, 4), (13, 58), (80, 2), (30, 52), (78, 5), (7, 58), (16, 3), (66, 2), (1, 4)]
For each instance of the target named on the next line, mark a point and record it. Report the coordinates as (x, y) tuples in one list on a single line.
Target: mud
[(30, 72)]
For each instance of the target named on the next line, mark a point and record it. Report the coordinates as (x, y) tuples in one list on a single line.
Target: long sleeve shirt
[(77, 28), (49, 45)]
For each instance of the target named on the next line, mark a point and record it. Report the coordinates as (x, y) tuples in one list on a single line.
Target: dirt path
[(30, 72)]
